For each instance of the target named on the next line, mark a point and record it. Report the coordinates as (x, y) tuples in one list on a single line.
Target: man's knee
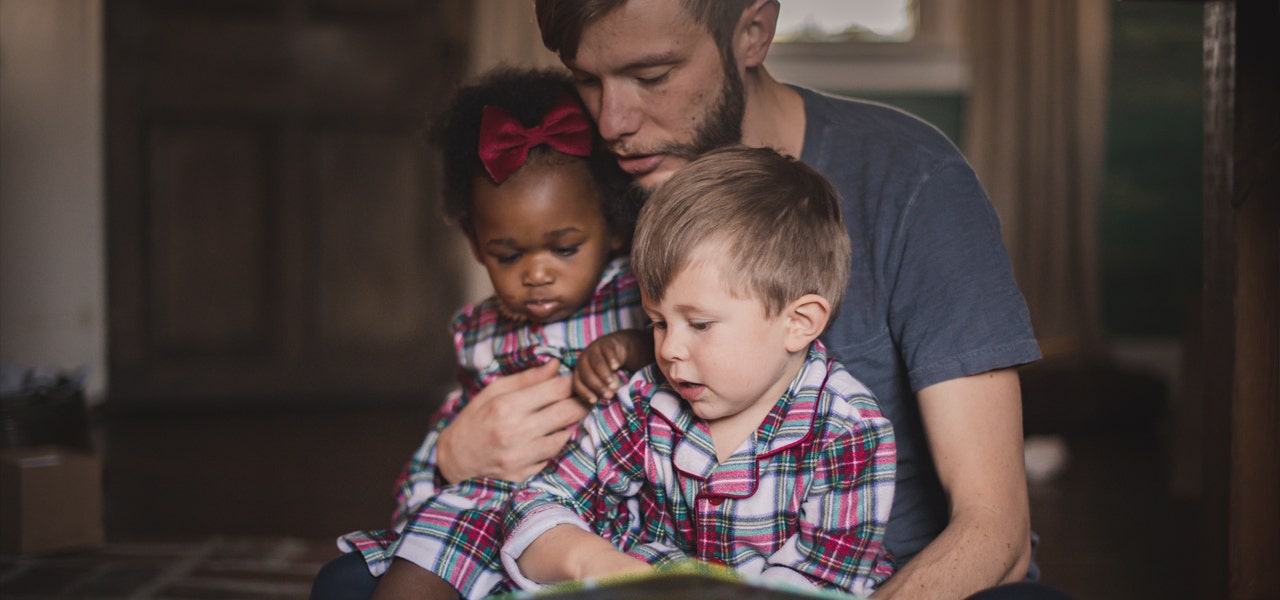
[(344, 578)]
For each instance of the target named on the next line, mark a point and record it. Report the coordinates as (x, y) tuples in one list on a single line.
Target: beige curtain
[(503, 32), (1034, 133)]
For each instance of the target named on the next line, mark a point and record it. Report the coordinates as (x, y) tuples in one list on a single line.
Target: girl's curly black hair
[(525, 94)]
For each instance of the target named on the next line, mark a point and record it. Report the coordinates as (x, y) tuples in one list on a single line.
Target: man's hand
[(596, 374), (511, 428)]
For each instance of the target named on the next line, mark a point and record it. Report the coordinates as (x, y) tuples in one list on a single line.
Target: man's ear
[(754, 34), (807, 317)]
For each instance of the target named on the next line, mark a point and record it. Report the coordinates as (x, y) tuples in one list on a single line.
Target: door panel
[(272, 225)]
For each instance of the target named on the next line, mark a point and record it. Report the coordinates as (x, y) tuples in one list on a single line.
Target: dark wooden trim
[(1242, 296)]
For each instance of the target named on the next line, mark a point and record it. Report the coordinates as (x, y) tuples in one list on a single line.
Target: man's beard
[(722, 127)]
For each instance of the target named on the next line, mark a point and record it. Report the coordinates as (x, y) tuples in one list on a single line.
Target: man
[(934, 323)]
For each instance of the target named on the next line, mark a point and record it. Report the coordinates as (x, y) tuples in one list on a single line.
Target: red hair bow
[(505, 143)]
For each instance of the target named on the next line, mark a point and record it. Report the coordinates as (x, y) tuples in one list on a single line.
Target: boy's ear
[(807, 318), (755, 31)]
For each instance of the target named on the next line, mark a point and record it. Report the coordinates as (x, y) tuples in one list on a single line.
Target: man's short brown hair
[(562, 21), (776, 219)]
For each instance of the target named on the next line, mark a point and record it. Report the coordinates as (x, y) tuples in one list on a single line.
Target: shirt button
[(716, 501)]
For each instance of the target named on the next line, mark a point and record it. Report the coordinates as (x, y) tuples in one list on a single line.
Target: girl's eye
[(570, 251), (700, 325), (659, 325), (506, 259)]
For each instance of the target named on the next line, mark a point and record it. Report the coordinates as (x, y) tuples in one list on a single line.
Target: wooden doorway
[(272, 226)]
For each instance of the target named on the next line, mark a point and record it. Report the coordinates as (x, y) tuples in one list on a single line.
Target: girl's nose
[(538, 273)]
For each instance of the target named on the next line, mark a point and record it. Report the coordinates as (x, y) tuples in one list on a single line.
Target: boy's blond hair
[(776, 219)]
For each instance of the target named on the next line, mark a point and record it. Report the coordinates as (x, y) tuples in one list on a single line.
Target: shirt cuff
[(530, 529)]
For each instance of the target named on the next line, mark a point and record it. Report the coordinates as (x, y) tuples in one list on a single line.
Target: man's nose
[(619, 115)]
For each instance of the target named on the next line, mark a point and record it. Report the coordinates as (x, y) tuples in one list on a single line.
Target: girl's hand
[(596, 374)]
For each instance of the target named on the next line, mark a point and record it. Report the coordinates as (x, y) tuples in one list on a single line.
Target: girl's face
[(542, 237)]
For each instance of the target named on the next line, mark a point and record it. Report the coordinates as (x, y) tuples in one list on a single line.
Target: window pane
[(847, 21)]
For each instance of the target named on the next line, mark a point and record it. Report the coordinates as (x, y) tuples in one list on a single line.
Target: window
[(839, 21), (907, 53)]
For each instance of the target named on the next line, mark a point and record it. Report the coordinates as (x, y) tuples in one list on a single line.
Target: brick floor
[(218, 567)]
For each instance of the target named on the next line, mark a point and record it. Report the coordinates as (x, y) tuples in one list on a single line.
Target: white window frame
[(934, 61)]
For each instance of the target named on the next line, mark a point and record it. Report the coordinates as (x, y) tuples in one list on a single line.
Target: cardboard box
[(50, 500)]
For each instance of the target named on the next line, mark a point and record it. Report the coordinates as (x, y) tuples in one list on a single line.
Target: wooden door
[(273, 230)]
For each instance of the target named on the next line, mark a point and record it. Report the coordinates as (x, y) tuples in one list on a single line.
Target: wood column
[(1242, 300)]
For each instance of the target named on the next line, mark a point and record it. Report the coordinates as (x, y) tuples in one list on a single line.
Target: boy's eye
[(506, 259), (659, 325), (700, 325)]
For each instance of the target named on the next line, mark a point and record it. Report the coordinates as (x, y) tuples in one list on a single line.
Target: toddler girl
[(547, 214)]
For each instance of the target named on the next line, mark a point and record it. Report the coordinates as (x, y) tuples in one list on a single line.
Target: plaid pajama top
[(489, 344), (803, 501)]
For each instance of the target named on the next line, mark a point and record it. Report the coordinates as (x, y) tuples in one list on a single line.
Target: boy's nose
[(669, 347)]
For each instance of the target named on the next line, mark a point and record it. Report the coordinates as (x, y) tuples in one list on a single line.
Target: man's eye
[(655, 79)]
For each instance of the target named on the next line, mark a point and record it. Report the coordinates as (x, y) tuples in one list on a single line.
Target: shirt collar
[(789, 423)]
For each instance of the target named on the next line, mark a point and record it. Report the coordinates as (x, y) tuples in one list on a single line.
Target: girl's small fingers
[(582, 390), (615, 356)]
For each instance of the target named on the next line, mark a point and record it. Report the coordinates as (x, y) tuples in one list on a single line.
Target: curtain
[(1034, 133), (503, 32)]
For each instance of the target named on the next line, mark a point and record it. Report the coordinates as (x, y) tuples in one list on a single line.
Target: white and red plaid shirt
[(805, 500)]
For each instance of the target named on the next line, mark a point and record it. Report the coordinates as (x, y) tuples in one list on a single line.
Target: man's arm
[(974, 427)]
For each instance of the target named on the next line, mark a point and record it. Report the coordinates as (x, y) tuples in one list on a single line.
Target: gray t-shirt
[(931, 296)]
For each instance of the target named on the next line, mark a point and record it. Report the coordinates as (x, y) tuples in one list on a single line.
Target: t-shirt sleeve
[(955, 307)]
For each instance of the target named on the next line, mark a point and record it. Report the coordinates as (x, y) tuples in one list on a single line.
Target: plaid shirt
[(804, 501), (429, 513)]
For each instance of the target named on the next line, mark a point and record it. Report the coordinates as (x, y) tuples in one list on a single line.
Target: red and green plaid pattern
[(805, 501), (490, 344), (455, 531)]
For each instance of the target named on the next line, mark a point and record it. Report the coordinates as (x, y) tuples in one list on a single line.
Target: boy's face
[(724, 356), (542, 237), (654, 82)]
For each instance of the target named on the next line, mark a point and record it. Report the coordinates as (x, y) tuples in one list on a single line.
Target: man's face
[(656, 85)]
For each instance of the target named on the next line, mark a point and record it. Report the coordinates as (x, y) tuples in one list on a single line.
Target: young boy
[(745, 445)]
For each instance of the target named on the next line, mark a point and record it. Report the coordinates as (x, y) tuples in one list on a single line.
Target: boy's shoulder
[(845, 404)]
